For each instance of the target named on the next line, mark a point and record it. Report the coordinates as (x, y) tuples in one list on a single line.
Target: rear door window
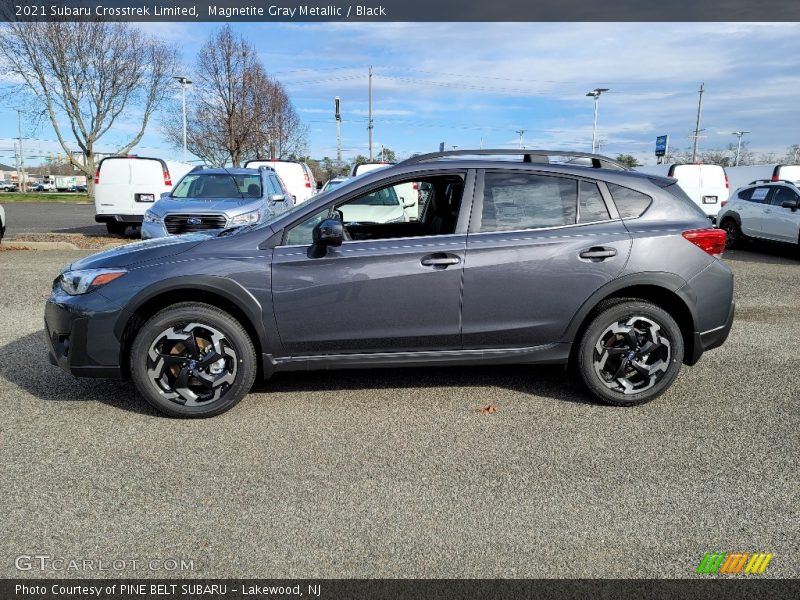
[(514, 201), (630, 203), (759, 195)]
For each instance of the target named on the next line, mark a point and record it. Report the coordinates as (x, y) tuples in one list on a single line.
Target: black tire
[(733, 232), (193, 360), (621, 327), (116, 228)]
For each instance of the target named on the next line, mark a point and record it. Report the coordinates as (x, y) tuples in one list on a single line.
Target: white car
[(764, 209), (407, 192), (2, 223), (706, 185), (380, 206), (296, 176), (333, 183)]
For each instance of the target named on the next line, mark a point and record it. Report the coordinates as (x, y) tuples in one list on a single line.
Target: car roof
[(217, 171)]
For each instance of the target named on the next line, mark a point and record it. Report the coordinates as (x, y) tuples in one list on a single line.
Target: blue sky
[(470, 83)]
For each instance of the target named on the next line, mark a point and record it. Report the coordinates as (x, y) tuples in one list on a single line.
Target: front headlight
[(79, 282), (151, 217), (249, 218)]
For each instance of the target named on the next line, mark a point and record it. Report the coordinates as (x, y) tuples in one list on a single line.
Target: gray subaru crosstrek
[(517, 257)]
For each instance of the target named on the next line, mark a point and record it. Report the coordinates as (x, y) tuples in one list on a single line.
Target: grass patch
[(43, 197)]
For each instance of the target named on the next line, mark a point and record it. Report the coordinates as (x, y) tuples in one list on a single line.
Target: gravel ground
[(395, 473)]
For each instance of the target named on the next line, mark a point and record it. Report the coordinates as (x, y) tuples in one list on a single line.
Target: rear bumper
[(81, 339), (714, 338), (127, 219)]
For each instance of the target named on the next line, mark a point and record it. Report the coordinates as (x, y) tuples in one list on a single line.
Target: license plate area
[(151, 197), (709, 199)]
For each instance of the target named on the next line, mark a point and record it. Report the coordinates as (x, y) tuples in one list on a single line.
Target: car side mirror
[(277, 198), (409, 204), (327, 233), (790, 204), (165, 194), (319, 185)]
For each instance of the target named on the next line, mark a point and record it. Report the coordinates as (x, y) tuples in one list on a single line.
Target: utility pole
[(520, 133), (370, 113), (184, 81), (21, 161), (739, 135), (338, 115), (697, 129)]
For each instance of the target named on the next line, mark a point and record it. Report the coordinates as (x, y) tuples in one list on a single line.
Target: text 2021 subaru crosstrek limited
[(516, 257)]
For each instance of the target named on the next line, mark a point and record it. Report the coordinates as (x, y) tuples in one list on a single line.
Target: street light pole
[(520, 133), (739, 135), (595, 93), (184, 81)]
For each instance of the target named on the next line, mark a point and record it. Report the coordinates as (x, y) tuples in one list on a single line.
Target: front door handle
[(597, 253), (439, 260)]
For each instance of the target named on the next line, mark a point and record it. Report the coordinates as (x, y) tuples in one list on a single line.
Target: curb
[(23, 245)]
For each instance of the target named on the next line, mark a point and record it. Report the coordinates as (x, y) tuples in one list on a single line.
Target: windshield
[(222, 185), (333, 184)]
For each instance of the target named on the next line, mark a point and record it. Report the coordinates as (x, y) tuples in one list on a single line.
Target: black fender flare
[(223, 287), (731, 215), (669, 282)]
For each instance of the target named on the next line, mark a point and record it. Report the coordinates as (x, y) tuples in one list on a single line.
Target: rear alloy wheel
[(193, 360), (631, 353), (733, 233)]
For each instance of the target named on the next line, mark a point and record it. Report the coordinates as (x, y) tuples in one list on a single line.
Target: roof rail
[(771, 181), (598, 161)]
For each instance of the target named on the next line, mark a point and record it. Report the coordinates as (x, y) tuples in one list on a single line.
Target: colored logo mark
[(733, 563)]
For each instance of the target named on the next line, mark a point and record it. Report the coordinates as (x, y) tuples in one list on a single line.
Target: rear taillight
[(775, 178), (727, 183), (97, 176), (308, 180), (167, 179), (708, 240), (724, 202)]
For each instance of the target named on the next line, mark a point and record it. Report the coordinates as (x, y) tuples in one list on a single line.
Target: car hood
[(204, 205), (130, 254)]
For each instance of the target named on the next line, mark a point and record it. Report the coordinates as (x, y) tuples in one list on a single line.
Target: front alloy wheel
[(193, 360), (192, 364)]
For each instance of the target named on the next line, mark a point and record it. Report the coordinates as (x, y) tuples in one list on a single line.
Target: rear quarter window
[(630, 203)]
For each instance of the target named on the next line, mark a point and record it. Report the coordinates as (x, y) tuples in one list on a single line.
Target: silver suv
[(207, 199), (763, 209)]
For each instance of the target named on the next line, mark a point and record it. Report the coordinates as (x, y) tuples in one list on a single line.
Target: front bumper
[(80, 334)]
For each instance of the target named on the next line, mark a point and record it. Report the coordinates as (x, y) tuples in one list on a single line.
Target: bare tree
[(238, 112), (90, 74)]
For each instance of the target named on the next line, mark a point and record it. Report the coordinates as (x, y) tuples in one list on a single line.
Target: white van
[(296, 176), (742, 176), (706, 185), (126, 186)]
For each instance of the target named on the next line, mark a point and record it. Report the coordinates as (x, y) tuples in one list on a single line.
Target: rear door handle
[(440, 259), (598, 253)]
